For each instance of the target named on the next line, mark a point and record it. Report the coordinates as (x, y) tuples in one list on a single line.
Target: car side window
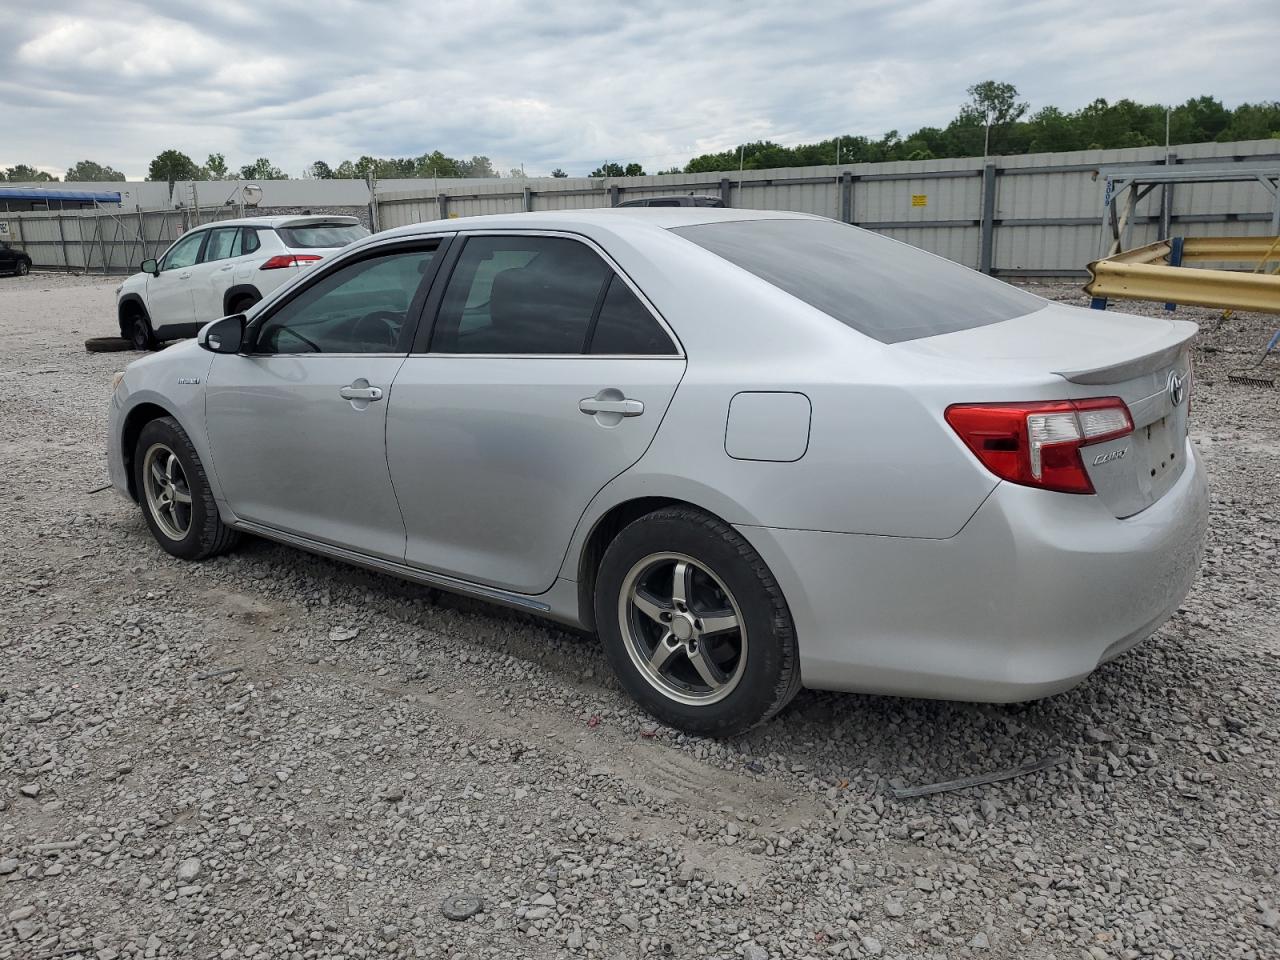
[(249, 241), (520, 295), (221, 245), (185, 252), (625, 326), (359, 308)]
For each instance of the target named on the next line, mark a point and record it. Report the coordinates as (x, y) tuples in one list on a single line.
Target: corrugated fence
[(1030, 215)]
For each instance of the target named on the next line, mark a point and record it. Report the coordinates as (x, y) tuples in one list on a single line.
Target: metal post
[(442, 206), (613, 194), (528, 200), (726, 191), (846, 196), (1166, 202), (988, 217), (142, 236), (102, 244), (1175, 260), (62, 243)]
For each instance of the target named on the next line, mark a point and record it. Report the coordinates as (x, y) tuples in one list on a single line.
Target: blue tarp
[(40, 196)]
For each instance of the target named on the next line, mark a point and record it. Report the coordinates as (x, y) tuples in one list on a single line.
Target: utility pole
[(837, 151)]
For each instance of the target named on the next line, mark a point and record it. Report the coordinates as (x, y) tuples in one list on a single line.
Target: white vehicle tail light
[(1038, 444), (283, 260)]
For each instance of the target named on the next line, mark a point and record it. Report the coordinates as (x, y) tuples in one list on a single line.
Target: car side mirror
[(150, 266), (223, 336)]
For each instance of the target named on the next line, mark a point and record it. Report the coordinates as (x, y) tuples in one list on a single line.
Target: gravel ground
[(272, 755)]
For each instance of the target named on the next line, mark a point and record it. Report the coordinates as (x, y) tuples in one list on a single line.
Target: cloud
[(564, 84)]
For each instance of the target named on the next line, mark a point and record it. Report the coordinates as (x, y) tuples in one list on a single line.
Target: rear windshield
[(321, 234), (884, 289)]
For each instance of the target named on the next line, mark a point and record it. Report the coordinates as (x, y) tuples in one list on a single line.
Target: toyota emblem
[(1176, 390)]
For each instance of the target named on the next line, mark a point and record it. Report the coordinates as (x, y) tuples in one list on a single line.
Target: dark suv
[(683, 201)]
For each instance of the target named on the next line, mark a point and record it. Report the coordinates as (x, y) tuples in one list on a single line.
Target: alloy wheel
[(682, 628), (168, 493)]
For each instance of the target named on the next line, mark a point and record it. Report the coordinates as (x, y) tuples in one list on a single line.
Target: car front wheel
[(23, 268), (174, 493), (695, 625)]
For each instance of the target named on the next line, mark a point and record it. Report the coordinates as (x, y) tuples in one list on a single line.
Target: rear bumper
[(1035, 592)]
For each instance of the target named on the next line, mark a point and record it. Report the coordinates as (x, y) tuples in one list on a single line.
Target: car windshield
[(304, 235), (887, 290)]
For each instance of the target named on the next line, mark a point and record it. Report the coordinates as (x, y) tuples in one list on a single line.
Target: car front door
[(297, 423), (169, 298), (544, 376)]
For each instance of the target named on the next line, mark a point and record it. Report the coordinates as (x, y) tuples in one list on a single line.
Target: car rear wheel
[(174, 493), (695, 625), (22, 269), (241, 304)]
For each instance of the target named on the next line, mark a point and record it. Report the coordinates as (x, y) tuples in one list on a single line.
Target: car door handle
[(624, 408), (184, 276), (354, 392)]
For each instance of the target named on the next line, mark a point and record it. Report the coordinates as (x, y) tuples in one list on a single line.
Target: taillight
[(289, 260), (1038, 444)]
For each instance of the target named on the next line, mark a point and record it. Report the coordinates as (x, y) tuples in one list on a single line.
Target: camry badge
[(1176, 389), (188, 379), (1108, 457)]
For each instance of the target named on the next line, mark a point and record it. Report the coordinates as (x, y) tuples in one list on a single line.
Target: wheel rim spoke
[(651, 608), (707, 668), (718, 622), (181, 496), (663, 653), (681, 582)]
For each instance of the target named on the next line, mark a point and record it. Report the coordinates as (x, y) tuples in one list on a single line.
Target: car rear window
[(887, 290), (307, 235)]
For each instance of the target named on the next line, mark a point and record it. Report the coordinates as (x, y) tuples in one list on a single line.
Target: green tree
[(262, 169), (172, 166), (320, 171), (24, 173), (558, 173), (612, 169), (87, 171), (996, 107), (480, 167), (216, 167)]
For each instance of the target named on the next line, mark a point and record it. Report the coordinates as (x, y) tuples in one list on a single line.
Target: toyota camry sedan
[(751, 450)]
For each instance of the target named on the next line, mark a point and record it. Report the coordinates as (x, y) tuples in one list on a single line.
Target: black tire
[(206, 535), (138, 330), (107, 344), (770, 676), (241, 303), (22, 269)]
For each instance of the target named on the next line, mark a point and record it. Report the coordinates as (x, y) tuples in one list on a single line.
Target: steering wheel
[(381, 325)]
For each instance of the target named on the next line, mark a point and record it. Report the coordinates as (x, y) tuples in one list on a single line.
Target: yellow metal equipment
[(1154, 272)]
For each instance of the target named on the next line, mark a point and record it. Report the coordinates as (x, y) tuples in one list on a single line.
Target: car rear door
[(212, 275), (297, 424), (544, 376)]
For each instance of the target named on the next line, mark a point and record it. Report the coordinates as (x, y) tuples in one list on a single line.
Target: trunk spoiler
[(1180, 334)]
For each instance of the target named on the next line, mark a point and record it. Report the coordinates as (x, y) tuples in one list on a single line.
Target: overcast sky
[(549, 83)]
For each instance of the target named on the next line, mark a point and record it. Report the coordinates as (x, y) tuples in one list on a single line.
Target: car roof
[(610, 219), (277, 220)]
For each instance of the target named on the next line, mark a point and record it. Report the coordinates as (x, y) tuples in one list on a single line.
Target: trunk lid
[(1073, 353)]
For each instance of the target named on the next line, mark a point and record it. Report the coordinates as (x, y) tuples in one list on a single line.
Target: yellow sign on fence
[(919, 199)]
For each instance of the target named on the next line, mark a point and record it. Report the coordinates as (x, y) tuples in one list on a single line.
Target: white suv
[(221, 269)]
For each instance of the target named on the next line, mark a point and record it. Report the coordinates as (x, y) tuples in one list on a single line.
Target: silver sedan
[(749, 449)]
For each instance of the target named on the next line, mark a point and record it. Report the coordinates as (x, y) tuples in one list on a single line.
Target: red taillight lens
[(289, 260), (1038, 444)]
